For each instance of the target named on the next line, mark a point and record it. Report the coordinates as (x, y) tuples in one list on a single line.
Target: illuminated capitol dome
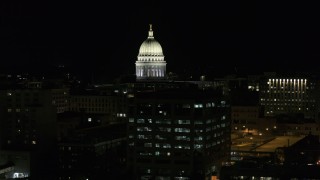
[(150, 64)]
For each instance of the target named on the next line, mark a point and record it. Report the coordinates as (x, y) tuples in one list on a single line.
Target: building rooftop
[(183, 93), (280, 141)]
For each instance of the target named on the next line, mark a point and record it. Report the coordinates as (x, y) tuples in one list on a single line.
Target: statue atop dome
[(150, 33)]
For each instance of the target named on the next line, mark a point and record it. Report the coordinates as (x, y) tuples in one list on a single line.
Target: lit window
[(182, 130), (142, 136), (182, 138), (163, 121), (183, 121), (131, 120), (198, 106), (160, 137), (144, 129), (198, 146), (89, 119), (182, 146), (166, 146)]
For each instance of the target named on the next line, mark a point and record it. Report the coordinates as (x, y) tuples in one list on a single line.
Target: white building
[(150, 64)]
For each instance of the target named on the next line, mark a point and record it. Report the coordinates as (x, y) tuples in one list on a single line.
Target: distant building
[(69, 122), (230, 83), (178, 134), (292, 125), (248, 120), (28, 123), (24, 112), (289, 95), (150, 64), (299, 160), (97, 102), (93, 153)]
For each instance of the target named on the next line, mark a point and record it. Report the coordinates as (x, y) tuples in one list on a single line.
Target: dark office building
[(178, 134), (94, 153), (28, 124)]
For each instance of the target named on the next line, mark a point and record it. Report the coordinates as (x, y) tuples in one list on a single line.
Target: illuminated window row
[(159, 153), (144, 129), (160, 137), (182, 146), (186, 130), (140, 121), (163, 121), (142, 136), (182, 121), (163, 145), (182, 138)]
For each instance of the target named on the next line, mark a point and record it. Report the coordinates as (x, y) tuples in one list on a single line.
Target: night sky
[(103, 38)]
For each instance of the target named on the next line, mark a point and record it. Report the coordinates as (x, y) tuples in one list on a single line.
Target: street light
[(260, 138)]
